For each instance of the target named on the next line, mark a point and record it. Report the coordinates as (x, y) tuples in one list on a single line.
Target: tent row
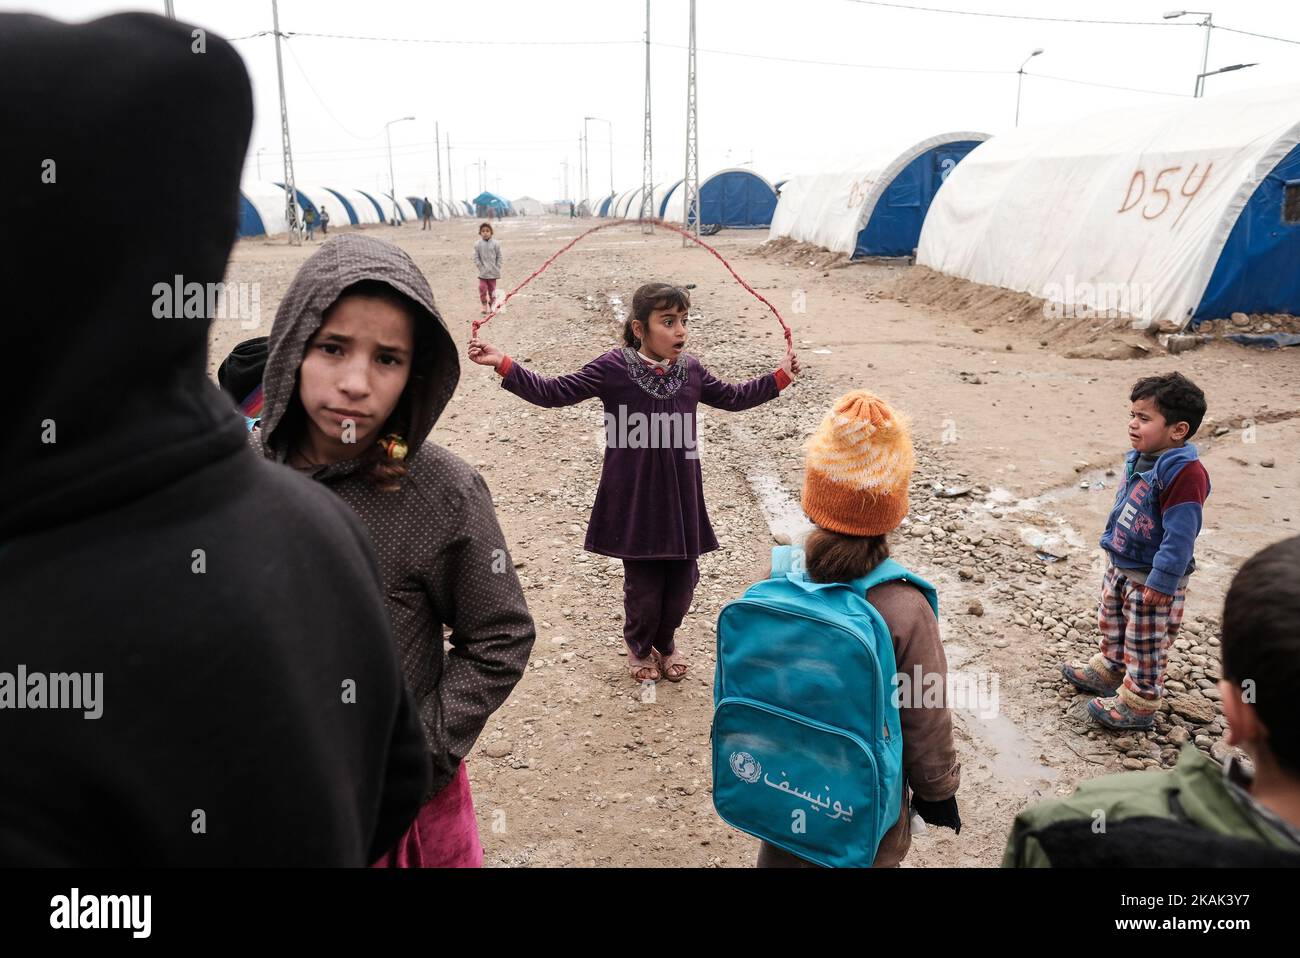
[(262, 207), (1170, 214), (1165, 214), (734, 198), (877, 206)]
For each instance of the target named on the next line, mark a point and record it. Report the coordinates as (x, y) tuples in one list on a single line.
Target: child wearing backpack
[(819, 665)]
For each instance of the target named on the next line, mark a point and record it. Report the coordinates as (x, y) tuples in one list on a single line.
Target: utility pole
[(437, 155), (290, 190), (451, 182), (582, 168), (691, 179), (647, 166)]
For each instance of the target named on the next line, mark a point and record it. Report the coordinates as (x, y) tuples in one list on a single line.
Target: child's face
[(664, 336), (485, 232), (354, 371), (1148, 431)]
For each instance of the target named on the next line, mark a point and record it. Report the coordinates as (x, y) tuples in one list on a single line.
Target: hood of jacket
[(341, 262), (123, 148)]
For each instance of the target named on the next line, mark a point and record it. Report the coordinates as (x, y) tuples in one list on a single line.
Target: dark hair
[(1261, 643), (646, 300), (383, 472), (489, 226), (1177, 397), (836, 557)]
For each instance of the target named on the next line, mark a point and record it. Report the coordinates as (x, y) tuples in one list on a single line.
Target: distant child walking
[(649, 508), (1148, 541), (487, 259)]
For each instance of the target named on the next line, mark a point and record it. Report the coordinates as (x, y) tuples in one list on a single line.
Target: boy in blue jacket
[(1149, 539)]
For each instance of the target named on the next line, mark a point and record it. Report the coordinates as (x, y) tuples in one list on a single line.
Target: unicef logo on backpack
[(746, 767)]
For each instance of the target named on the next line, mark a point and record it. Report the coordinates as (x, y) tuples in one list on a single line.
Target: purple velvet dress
[(650, 503)]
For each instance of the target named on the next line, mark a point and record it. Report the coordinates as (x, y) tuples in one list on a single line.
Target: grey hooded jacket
[(442, 556)]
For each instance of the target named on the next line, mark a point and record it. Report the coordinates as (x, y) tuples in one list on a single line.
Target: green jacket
[(1194, 791)]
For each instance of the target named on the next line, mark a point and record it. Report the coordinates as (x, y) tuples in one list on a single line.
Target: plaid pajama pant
[(1136, 635)]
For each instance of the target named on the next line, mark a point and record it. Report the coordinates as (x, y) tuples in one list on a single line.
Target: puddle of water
[(1009, 754)]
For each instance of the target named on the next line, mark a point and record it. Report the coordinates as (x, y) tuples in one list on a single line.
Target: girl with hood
[(359, 367)]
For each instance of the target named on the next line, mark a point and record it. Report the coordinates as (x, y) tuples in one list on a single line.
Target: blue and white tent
[(734, 198), (261, 209), (876, 207), (1184, 211)]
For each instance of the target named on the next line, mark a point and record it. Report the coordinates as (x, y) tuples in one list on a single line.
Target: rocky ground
[(1016, 451)]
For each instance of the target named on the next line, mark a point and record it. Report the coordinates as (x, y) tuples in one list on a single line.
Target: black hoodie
[(252, 704)]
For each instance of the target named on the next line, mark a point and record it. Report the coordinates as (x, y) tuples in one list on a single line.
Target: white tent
[(365, 210), (1144, 203), (404, 207), (887, 191), (528, 206), (262, 209), (661, 193)]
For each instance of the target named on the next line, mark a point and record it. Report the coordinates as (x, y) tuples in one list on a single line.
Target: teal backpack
[(807, 745)]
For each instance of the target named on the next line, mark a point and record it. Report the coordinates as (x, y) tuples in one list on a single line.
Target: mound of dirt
[(1029, 317), (793, 253)]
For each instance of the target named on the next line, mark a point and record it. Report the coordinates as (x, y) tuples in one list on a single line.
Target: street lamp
[(1205, 57), (392, 186), (1020, 79), (1235, 66), (611, 147)]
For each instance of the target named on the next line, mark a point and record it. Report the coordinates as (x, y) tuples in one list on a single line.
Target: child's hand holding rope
[(791, 364), (485, 354)]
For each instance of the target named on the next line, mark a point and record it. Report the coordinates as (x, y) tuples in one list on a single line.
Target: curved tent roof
[(261, 209), (381, 210), (660, 196), (605, 204), (878, 206), (345, 204), (493, 202), (1178, 210), (617, 207), (405, 210), (736, 198)]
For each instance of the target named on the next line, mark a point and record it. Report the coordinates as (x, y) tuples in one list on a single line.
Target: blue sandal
[(1116, 714)]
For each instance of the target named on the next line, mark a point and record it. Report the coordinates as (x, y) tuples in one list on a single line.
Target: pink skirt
[(444, 833)]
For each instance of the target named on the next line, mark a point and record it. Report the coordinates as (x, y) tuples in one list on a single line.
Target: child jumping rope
[(649, 508)]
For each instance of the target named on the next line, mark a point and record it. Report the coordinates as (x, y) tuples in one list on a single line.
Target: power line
[(828, 63), (321, 100), (1248, 33), (1018, 16), (1107, 86), (513, 43)]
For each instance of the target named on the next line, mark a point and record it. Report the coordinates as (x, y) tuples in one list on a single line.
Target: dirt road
[(584, 767)]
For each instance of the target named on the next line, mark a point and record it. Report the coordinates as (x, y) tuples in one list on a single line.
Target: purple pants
[(444, 833), (487, 291), (656, 596)]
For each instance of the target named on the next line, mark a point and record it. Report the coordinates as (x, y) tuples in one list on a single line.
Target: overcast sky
[(520, 106)]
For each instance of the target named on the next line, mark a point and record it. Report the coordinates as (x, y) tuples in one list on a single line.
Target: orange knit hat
[(857, 467)]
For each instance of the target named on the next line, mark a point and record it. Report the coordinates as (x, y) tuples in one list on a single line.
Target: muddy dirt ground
[(1016, 448)]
